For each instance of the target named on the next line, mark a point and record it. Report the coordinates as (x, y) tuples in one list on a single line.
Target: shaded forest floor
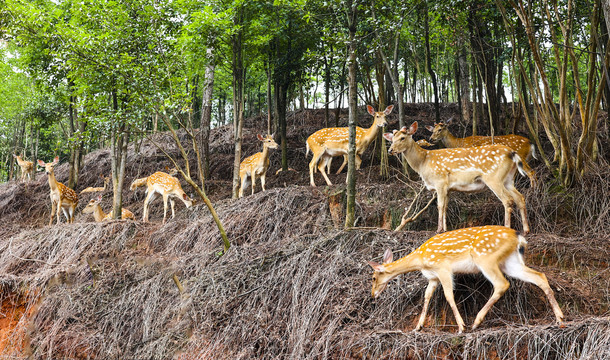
[(294, 284)]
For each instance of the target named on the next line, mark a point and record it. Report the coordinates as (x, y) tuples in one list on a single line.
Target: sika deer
[(463, 169), (256, 165), (523, 147), (491, 250), (27, 167), (62, 197), (95, 208), (330, 142), (165, 185)]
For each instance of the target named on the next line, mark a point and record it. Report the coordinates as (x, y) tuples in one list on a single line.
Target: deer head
[(49, 167), (379, 117), (380, 277), (268, 141)]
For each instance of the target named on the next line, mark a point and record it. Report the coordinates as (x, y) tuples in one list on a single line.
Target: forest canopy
[(77, 76)]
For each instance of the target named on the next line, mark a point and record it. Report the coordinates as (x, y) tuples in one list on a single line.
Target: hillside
[(294, 284)]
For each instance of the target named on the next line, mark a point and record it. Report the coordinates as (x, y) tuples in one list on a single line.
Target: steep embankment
[(293, 285)]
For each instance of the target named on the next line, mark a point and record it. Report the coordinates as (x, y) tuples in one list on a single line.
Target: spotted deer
[(256, 165), (494, 251), (165, 185), (99, 215), (331, 142), (463, 169), (27, 167), (62, 197), (97, 189), (522, 146)]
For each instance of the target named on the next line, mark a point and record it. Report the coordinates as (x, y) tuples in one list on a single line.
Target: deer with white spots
[(27, 167), (62, 197), (99, 215), (97, 189), (330, 142), (165, 185), (463, 169), (522, 146), (494, 251), (256, 165)]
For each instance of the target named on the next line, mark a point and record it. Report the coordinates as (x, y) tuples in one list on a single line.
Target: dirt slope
[(293, 285)]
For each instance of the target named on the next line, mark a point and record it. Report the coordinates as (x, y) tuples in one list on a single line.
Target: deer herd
[(465, 164)]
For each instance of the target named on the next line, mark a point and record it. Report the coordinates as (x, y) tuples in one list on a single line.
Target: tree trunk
[(353, 108), (238, 93), (437, 112), (206, 112)]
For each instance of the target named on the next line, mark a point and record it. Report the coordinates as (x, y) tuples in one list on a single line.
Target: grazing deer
[(97, 189), (463, 169), (491, 250), (522, 146), (62, 197), (27, 167), (256, 165), (95, 208), (165, 185), (330, 142)]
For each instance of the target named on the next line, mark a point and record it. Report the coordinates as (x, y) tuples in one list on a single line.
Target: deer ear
[(412, 129), (388, 256), (389, 136), (370, 109), (430, 128), (56, 160), (449, 121), (375, 266), (41, 163), (185, 197), (389, 109), (260, 137), (99, 198)]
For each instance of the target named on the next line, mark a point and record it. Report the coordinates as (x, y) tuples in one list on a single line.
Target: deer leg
[(520, 202), (172, 204), (66, 214), (441, 202), (312, 166), (500, 284), (321, 166), (446, 280), (432, 284), (514, 267), (59, 207), (263, 181), (149, 198), (52, 211), (358, 161), (165, 198), (244, 177), (253, 180), (342, 165), (502, 194)]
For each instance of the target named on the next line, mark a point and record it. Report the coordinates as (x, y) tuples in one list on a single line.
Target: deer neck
[(53, 182), (265, 153), (98, 213), (451, 141), (369, 135), (416, 156), (411, 262)]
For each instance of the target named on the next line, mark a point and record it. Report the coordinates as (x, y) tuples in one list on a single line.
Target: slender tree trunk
[(353, 108), (238, 93), (206, 113), (437, 112)]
